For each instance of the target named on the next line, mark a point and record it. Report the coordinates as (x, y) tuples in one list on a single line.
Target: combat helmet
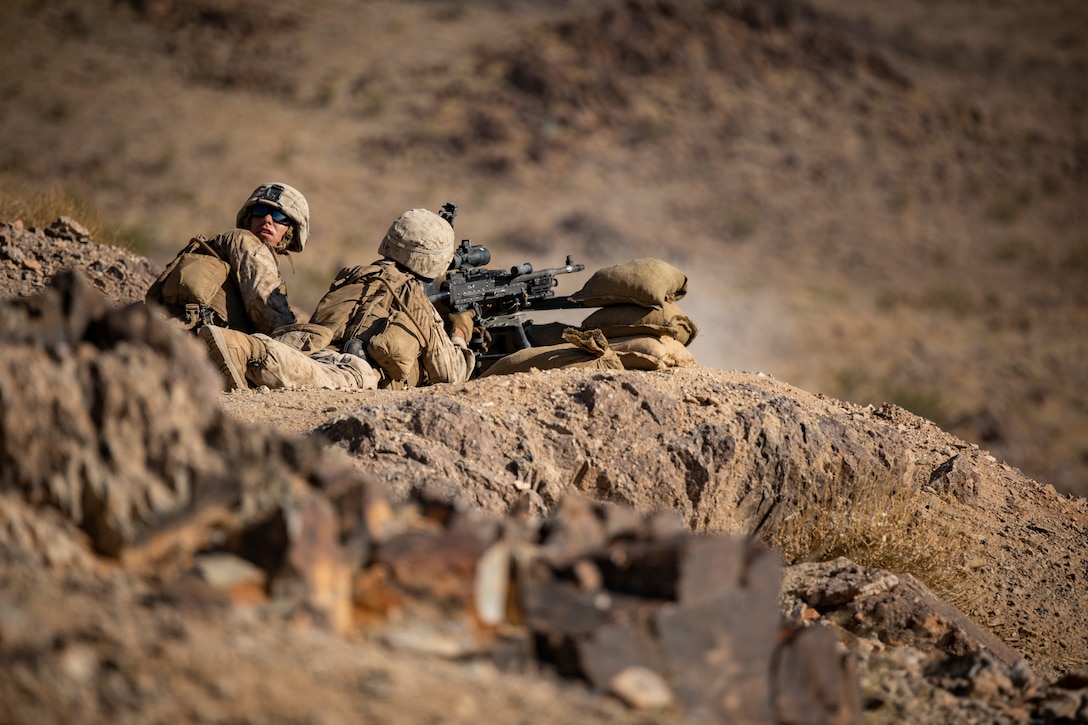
[(420, 240), (291, 202)]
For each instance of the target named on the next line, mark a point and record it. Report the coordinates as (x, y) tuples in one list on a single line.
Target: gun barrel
[(568, 269)]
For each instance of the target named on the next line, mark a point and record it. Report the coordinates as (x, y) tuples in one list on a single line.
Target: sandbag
[(647, 282), (583, 349), (668, 352), (547, 333), (627, 320), (632, 360)]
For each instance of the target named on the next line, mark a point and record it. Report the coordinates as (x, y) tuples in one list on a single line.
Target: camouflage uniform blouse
[(359, 302), (255, 271), (444, 359)]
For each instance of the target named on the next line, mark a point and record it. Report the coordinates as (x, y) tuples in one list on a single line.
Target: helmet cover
[(287, 199), (420, 240)]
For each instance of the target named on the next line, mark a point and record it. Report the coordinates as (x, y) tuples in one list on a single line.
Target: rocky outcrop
[(747, 455), (596, 526), (29, 258), (113, 445), (108, 416), (727, 452)]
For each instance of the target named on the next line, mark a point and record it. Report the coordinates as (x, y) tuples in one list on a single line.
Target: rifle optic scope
[(470, 255)]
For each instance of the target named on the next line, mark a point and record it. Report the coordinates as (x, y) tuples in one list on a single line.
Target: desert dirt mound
[(727, 452), (541, 546)]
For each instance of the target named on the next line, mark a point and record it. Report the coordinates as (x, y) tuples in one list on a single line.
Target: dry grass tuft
[(887, 525), (40, 207)]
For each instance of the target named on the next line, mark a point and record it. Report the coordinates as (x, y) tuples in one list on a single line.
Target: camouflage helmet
[(420, 240), (291, 202)]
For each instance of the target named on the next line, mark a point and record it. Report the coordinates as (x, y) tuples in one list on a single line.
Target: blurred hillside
[(875, 203)]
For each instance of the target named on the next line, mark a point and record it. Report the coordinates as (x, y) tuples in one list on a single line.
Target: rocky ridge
[(571, 541)]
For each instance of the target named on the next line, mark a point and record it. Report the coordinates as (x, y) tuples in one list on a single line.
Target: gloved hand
[(462, 321)]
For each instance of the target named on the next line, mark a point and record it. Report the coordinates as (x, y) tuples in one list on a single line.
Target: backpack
[(368, 310), (196, 289)]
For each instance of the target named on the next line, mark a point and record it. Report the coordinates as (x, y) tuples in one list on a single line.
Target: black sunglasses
[(261, 211)]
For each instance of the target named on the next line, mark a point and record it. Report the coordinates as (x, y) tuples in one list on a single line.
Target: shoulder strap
[(370, 306), (199, 245)]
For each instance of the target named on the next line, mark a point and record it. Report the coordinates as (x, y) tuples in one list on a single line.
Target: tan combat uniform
[(281, 362), (442, 359), (284, 366), (255, 271), (374, 327), (242, 291)]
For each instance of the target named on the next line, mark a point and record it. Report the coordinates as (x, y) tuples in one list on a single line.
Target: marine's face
[(269, 224)]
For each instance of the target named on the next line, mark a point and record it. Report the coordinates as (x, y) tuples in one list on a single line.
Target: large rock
[(108, 415), (125, 485), (113, 447), (744, 454)]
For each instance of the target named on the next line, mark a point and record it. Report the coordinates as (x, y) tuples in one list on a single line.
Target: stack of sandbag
[(639, 314), (581, 349)]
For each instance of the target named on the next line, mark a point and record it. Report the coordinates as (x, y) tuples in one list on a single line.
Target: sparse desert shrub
[(899, 199), (1077, 258), (137, 238), (927, 403), (887, 300), (649, 128), (40, 207), (1003, 210), (1050, 184), (940, 254), (161, 164), (1009, 250), (858, 385), (1008, 205), (887, 524), (848, 383), (994, 57), (325, 93)]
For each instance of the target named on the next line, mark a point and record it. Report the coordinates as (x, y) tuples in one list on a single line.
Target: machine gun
[(498, 297)]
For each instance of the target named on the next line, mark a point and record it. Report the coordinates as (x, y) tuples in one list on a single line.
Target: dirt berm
[(542, 547)]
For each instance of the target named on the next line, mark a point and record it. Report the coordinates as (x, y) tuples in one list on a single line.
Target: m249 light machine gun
[(498, 297)]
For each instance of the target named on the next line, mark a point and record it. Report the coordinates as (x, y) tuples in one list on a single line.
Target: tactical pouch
[(193, 284), (587, 349), (198, 279), (651, 352), (396, 348)]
